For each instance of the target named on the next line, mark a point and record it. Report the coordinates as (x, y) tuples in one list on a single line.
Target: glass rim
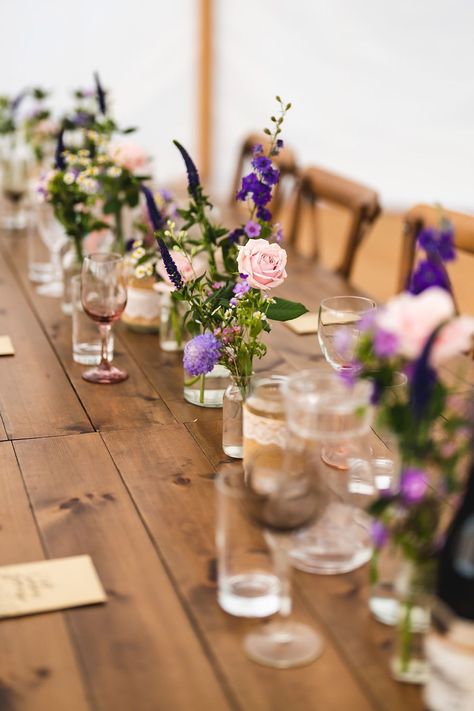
[(103, 257), (315, 399), (353, 297)]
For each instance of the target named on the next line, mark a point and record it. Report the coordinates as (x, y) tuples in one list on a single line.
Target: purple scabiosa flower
[(385, 344), (264, 214), (258, 148), (59, 162), (261, 163), (252, 229), (100, 93), (235, 235), (156, 218), (379, 534), (201, 354), (413, 485), (191, 170)]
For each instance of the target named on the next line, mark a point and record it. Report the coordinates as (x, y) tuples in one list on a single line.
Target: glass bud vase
[(173, 333), (71, 266), (414, 586), (206, 390), (232, 416)]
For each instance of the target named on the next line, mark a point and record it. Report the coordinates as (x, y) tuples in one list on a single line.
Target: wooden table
[(125, 473)]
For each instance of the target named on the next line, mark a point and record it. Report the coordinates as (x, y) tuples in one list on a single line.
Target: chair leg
[(410, 236), (356, 233)]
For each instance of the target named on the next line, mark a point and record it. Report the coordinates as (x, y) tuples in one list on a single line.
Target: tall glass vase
[(71, 265), (232, 416)]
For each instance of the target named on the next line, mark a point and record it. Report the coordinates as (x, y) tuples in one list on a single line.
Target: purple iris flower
[(252, 228), (379, 534), (413, 485), (201, 354), (385, 344)]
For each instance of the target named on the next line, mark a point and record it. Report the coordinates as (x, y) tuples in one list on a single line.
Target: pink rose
[(453, 339), (188, 269), (412, 319), (129, 155), (263, 263)]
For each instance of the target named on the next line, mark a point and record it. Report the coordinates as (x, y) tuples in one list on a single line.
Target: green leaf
[(284, 310)]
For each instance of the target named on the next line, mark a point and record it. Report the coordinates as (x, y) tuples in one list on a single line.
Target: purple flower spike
[(170, 266), (59, 162), (264, 214), (379, 534), (261, 163), (193, 175), (201, 354), (413, 485), (429, 272), (100, 93), (385, 344), (156, 218), (252, 229)]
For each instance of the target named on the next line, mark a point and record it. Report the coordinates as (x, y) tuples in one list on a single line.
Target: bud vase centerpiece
[(230, 305), (414, 334)]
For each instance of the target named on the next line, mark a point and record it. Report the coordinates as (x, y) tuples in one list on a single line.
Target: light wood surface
[(125, 473)]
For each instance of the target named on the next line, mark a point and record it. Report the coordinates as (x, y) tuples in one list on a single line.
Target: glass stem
[(282, 567), (104, 329)]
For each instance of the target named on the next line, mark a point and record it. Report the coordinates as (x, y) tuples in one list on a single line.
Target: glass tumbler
[(264, 426), (86, 344), (321, 409), (247, 585)]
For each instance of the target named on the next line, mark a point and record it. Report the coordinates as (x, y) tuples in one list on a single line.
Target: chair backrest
[(316, 186), (285, 161), (421, 216)]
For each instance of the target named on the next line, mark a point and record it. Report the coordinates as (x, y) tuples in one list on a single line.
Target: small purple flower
[(264, 214), (235, 235), (280, 143), (429, 273), (261, 163), (271, 176), (379, 534), (252, 186), (385, 344), (165, 194), (241, 288), (442, 240), (413, 485), (217, 285), (252, 228), (82, 118), (258, 148), (201, 354), (278, 232)]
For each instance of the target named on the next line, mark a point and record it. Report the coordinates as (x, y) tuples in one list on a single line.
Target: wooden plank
[(139, 650), (38, 666), (133, 403), (36, 398), (171, 483)]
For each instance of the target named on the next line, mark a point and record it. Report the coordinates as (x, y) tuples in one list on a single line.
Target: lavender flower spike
[(193, 175), (171, 268), (156, 218), (100, 93), (59, 162)]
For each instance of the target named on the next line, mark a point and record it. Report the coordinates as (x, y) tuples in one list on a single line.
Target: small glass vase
[(414, 586), (232, 416), (206, 390), (173, 333), (71, 266)]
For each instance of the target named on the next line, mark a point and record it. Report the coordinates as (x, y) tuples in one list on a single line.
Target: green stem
[(201, 389), (78, 246), (406, 636), (119, 231)]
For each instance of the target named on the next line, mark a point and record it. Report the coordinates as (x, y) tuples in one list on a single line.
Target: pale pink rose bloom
[(188, 270), (413, 318), (47, 127), (454, 338), (129, 155), (263, 263)]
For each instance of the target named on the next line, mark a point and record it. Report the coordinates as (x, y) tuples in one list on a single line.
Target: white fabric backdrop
[(383, 91), (145, 52)]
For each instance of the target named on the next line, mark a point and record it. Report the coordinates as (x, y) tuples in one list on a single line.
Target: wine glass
[(281, 501), (54, 237), (104, 296), (338, 335)]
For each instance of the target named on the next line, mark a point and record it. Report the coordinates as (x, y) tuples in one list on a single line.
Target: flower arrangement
[(39, 127), (230, 304)]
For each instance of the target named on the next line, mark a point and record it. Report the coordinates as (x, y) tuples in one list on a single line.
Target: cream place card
[(46, 585), (305, 324), (6, 346)]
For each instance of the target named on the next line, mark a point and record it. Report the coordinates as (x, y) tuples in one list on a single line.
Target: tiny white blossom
[(69, 178), (139, 252), (114, 171)]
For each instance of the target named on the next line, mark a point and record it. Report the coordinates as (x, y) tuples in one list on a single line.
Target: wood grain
[(38, 666), (139, 650)]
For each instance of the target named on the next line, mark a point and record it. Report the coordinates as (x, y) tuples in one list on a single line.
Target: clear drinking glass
[(247, 585), (282, 501), (338, 334), (321, 409), (264, 427), (232, 415), (104, 296), (86, 343), (39, 262), (55, 238), (15, 162)]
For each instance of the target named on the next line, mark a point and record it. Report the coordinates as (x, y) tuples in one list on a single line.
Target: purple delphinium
[(270, 176), (201, 354), (252, 186), (379, 534), (261, 163), (442, 240), (413, 485), (385, 344), (191, 170), (258, 148), (235, 235), (264, 214), (252, 229), (429, 273)]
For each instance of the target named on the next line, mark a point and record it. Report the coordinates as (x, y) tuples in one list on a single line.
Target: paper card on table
[(6, 346), (305, 324), (29, 588)]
